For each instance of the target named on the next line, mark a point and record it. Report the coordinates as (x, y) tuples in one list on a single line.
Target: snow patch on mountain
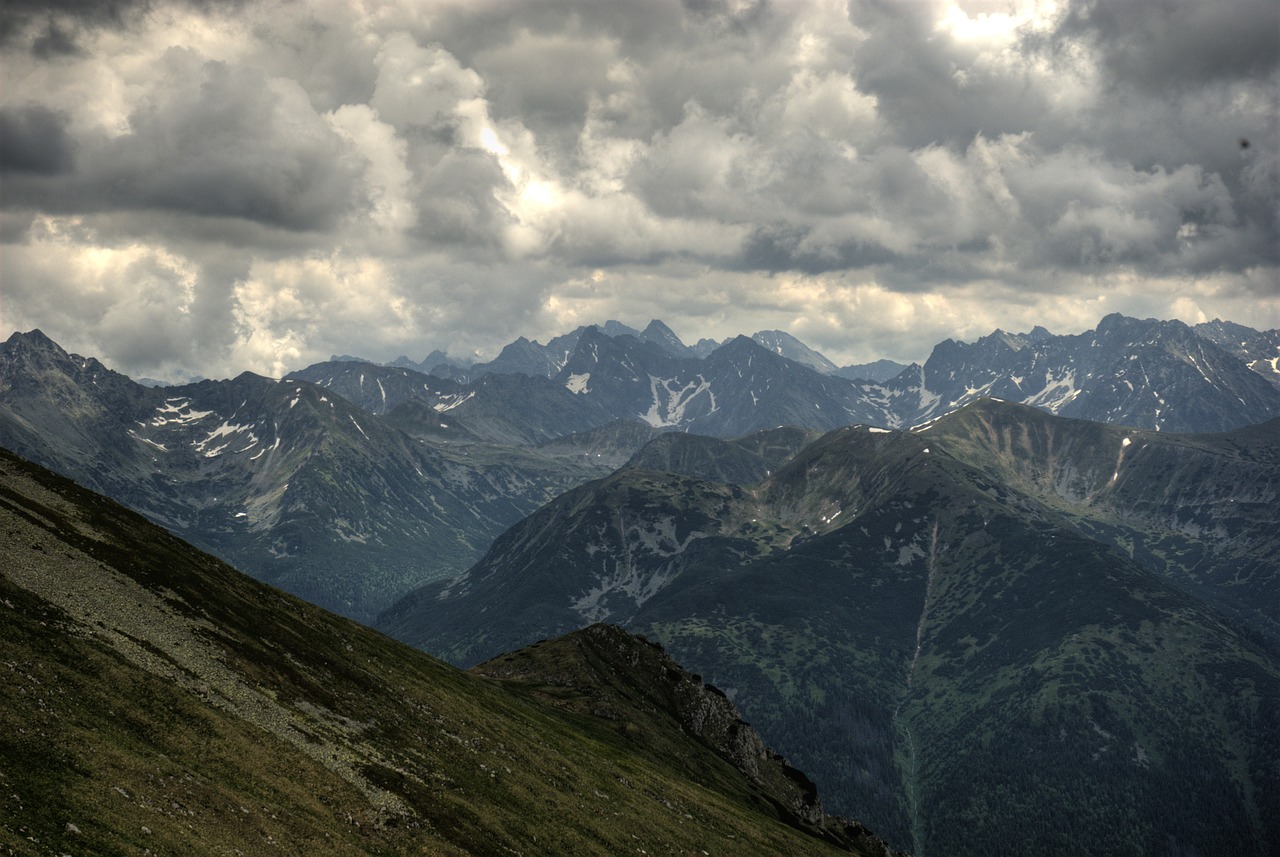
[(225, 431), (671, 400), (160, 446), (176, 411), (1057, 392), (448, 403)]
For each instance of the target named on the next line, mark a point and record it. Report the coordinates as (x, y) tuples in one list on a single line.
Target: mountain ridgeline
[(1004, 633), (1161, 375), (1041, 620), (158, 701), (351, 484), (290, 482)]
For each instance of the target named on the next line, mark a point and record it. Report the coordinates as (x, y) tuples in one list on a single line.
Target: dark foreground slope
[(971, 664), (154, 700)]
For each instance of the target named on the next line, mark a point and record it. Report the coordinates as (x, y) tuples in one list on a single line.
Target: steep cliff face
[(608, 673)]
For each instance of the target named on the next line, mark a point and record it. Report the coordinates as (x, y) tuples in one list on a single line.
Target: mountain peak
[(665, 338), (785, 345), (612, 327), (33, 340)]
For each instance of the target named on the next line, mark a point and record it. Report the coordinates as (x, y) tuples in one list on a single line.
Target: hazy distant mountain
[(1007, 633), (1142, 373), (1145, 373), (239, 466), (785, 345), (665, 338), (497, 408), (878, 370), (1260, 350), (740, 388), (429, 363), (703, 347), (157, 701)]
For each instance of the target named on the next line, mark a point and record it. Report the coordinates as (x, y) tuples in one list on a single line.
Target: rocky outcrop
[(610, 673)]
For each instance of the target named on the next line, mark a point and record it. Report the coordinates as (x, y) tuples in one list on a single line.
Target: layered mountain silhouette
[(157, 701), (350, 483), (1002, 631), (963, 631), (1161, 375), (290, 482)]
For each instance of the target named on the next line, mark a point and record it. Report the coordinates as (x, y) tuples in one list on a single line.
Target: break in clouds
[(217, 186)]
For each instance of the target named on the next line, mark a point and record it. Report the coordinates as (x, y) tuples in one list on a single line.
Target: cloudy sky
[(207, 186)]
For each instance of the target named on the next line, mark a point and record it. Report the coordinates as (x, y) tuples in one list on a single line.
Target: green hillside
[(156, 701), (969, 659)]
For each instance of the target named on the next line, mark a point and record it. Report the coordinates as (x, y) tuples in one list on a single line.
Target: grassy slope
[(155, 698)]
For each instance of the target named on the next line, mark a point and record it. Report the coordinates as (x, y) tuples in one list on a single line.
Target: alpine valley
[(1003, 633), (156, 701), (1018, 599)]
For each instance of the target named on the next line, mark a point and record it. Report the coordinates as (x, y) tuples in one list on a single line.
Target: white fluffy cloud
[(208, 187)]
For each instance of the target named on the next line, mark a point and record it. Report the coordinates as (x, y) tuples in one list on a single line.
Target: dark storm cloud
[(456, 202), (55, 41), (57, 28), (34, 139), (1162, 44), (784, 247), (220, 142), (229, 145), (928, 86), (21, 16), (474, 169)]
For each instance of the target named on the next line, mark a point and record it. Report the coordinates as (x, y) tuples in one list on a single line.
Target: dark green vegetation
[(741, 461), (1077, 621), (606, 672), (973, 637), (1200, 510), (154, 700)]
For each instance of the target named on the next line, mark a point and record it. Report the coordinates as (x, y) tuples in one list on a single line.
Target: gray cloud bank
[(205, 186)]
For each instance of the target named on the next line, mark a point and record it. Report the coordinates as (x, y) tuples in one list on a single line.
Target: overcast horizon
[(213, 186)]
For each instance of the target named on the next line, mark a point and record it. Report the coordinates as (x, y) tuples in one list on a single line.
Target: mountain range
[(294, 485), (157, 701), (350, 483), (1040, 625), (1160, 375), (1002, 633)]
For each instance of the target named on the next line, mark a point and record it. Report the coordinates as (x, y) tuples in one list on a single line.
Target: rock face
[(1144, 373), (611, 674)]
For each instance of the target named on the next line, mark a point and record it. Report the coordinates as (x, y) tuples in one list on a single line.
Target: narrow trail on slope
[(913, 804)]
